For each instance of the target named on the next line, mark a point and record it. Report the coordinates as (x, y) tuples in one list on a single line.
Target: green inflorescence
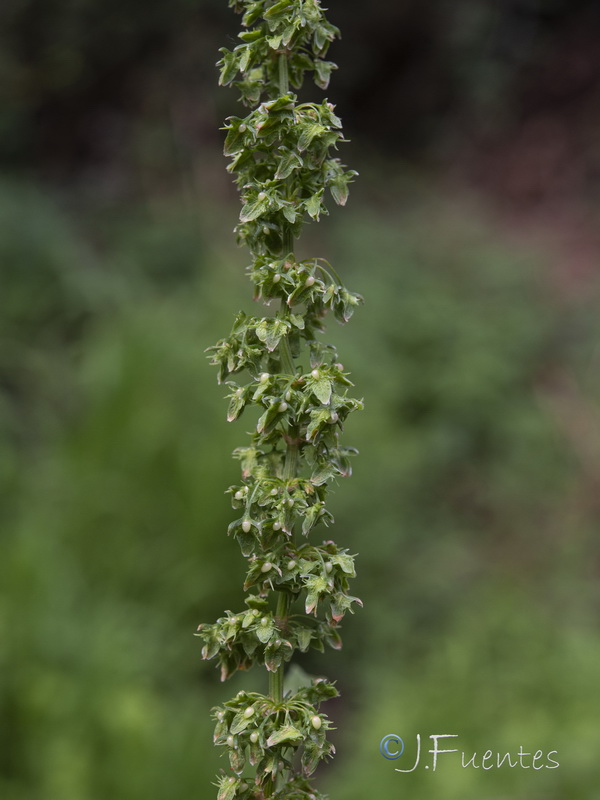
[(297, 591)]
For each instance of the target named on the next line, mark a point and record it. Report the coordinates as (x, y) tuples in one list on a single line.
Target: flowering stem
[(283, 161)]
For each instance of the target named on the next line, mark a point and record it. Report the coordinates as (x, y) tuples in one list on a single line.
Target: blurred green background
[(474, 506)]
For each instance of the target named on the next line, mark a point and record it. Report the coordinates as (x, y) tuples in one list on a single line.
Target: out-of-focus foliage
[(472, 506)]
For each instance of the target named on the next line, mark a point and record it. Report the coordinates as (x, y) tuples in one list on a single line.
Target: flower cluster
[(297, 391)]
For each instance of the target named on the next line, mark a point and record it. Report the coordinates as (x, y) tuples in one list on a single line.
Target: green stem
[(287, 362), (276, 678), (290, 469), (284, 87), (284, 81)]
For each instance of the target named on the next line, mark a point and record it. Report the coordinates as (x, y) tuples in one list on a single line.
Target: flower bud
[(276, 525), (288, 396), (273, 492), (309, 281), (276, 278), (283, 407), (264, 377), (239, 494), (328, 566), (230, 741), (264, 621), (248, 712), (334, 417), (316, 722), (315, 374), (266, 566), (254, 737), (246, 525), (291, 564), (262, 196)]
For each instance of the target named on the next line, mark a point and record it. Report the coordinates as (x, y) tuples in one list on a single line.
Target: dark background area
[(485, 88), (472, 232)]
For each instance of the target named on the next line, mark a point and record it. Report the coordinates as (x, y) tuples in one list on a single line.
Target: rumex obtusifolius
[(282, 156)]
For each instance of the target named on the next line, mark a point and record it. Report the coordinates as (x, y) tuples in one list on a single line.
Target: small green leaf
[(246, 57), (287, 734), (346, 562), (255, 752), (313, 205), (229, 66), (239, 723), (236, 406), (288, 162), (322, 390), (254, 209), (339, 191), (246, 541), (237, 759), (323, 71), (304, 635), (265, 630), (289, 213), (251, 36), (308, 133), (278, 8), (322, 475), (311, 517), (228, 788)]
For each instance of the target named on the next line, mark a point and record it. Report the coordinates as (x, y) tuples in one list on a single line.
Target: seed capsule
[(315, 374), (248, 712), (328, 566), (309, 281), (273, 492), (288, 396), (264, 377), (230, 741), (239, 494), (246, 525), (254, 737), (291, 564), (316, 722), (242, 128), (283, 407), (276, 278), (262, 196), (276, 526), (334, 418), (266, 566), (264, 621)]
